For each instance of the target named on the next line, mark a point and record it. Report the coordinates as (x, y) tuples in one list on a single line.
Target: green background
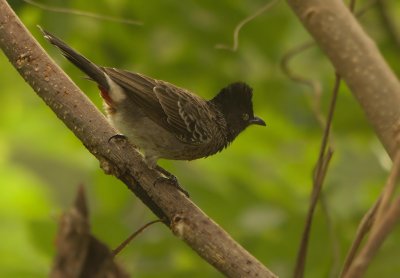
[(258, 189)]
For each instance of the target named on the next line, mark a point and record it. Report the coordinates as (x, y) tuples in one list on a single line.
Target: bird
[(162, 119)]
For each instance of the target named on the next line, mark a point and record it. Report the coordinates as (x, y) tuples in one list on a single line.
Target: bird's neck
[(226, 128)]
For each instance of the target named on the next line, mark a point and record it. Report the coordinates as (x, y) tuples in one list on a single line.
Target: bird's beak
[(257, 121)]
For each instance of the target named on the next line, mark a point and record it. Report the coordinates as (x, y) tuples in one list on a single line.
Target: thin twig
[(117, 250), (352, 5), (319, 177), (334, 241), (388, 22), (243, 23), (371, 248), (302, 252), (381, 227), (312, 83), (325, 139), (324, 158), (388, 190), (362, 230), (334, 38), (83, 13), (365, 8), (289, 55)]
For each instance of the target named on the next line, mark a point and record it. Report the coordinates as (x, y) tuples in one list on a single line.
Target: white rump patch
[(116, 93)]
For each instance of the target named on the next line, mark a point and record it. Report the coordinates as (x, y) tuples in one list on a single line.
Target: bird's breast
[(156, 142)]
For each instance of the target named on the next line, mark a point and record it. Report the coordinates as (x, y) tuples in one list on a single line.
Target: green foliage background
[(258, 189)]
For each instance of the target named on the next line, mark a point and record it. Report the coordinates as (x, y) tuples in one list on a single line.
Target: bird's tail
[(92, 70)]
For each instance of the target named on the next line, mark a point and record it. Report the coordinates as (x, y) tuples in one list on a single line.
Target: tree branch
[(121, 159), (386, 215), (357, 60)]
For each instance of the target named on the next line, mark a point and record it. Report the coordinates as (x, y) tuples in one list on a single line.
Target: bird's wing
[(139, 89), (188, 114), (173, 108)]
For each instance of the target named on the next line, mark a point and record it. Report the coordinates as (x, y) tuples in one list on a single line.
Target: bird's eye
[(245, 117)]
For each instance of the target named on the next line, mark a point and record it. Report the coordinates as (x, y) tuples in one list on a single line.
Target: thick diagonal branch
[(357, 60), (184, 218)]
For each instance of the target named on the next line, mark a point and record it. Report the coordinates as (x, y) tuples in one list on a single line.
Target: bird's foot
[(117, 137), (170, 179)]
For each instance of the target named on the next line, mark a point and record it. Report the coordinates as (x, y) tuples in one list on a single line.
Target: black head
[(234, 101)]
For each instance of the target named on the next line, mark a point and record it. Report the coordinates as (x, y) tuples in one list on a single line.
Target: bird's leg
[(166, 176), (169, 178), (117, 137)]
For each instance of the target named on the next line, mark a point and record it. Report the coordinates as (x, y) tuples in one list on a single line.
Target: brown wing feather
[(173, 108), (187, 113), (139, 88)]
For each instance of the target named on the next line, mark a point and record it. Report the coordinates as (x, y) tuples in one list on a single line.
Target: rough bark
[(119, 158)]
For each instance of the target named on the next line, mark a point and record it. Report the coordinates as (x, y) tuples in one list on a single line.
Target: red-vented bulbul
[(163, 120)]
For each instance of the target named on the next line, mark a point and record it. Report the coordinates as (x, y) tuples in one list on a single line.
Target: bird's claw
[(172, 180), (117, 137)]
